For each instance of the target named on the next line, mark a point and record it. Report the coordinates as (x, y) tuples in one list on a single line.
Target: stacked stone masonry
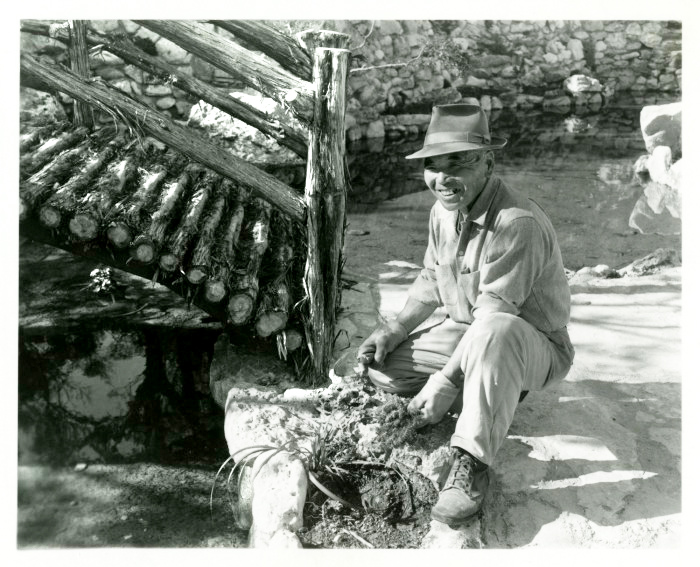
[(401, 67)]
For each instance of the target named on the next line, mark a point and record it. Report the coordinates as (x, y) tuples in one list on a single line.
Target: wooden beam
[(284, 49), (77, 50), (249, 68), (192, 144), (281, 129), (326, 188)]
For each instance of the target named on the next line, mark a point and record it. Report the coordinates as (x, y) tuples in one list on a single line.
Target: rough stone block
[(661, 126)]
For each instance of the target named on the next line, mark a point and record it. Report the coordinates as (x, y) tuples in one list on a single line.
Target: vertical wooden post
[(325, 194), (79, 63)]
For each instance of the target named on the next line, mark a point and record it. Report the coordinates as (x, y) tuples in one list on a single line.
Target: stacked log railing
[(232, 238)]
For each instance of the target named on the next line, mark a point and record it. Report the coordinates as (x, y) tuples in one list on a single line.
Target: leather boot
[(464, 489)]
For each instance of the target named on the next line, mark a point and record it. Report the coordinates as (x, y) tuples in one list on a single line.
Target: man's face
[(457, 179)]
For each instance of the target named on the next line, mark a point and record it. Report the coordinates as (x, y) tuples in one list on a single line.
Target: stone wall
[(400, 68)]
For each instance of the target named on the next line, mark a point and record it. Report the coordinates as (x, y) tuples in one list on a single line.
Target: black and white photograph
[(295, 283)]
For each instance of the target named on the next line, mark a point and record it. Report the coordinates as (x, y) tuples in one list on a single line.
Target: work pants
[(504, 355)]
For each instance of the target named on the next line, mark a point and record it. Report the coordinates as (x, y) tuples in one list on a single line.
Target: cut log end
[(49, 216), (214, 291), (83, 226), (197, 274), (271, 322), (168, 262), (292, 339), (240, 307), (143, 251), (119, 235)]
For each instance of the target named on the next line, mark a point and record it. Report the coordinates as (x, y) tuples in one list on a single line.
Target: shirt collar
[(477, 212)]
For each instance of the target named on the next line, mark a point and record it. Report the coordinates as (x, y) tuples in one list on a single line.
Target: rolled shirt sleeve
[(514, 260)]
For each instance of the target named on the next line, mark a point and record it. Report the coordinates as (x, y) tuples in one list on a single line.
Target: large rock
[(582, 83), (661, 126), (279, 493)]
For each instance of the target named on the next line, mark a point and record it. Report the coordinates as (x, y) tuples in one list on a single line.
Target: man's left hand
[(434, 399)]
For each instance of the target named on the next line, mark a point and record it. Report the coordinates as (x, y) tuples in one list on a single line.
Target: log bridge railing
[(74, 188)]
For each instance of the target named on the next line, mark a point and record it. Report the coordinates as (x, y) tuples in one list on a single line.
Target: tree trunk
[(249, 68), (245, 286), (129, 214), (31, 163), (215, 288), (176, 246), (175, 136), (273, 312), (263, 37), (325, 198), (79, 63), (41, 185), (30, 140), (147, 244), (201, 256), (288, 340), (108, 189), (65, 200), (244, 293)]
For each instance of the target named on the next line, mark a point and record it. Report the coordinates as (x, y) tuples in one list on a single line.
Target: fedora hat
[(457, 128)]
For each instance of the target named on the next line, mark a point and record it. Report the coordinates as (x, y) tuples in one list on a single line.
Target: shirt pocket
[(469, 288), (447, 285)]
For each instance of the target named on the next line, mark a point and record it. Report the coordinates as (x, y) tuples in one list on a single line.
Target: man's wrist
[(397, 327)]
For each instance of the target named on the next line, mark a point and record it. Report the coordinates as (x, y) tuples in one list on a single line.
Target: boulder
[(661, 126), (279, 494), (582, 83), (662, 257)]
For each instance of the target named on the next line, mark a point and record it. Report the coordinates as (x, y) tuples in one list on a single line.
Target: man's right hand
[(383, 340)]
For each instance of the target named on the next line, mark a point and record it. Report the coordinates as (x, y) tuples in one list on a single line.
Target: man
[(494, 263)]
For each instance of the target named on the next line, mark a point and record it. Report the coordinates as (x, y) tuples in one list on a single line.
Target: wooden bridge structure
[(231, 237)]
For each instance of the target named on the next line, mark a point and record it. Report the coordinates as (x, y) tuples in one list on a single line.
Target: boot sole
[(453, 522)]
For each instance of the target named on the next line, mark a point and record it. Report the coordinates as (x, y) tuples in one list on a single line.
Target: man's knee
[(501, 331)]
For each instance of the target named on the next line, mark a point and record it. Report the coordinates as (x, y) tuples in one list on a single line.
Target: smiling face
[(457, 179)]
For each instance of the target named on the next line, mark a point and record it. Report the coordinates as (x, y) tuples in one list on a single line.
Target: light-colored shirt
[(502, 256)]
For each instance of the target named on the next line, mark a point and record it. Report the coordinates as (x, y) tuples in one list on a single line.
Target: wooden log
[(31, 163), (79, 63), (41, 185), (65, 200), (273, 312), (282, 48), (189, 143), (325, 198), (130, 213), (289, 340), (249, 68), (30, 140), (112, 184), (148, 243), (245, 284), (280, 128), (174, 249), (243, 295), (216, 286), (198, 269)]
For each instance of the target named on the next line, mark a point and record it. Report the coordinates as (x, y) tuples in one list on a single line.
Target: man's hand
[(434, 399), (381, 342)]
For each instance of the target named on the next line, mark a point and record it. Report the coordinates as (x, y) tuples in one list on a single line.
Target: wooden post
[(325, 195), (82, 112)]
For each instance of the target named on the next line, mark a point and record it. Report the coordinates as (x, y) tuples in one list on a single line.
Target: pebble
[(80, 467), (358, 232)]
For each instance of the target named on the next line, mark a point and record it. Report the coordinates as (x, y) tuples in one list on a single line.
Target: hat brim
[(453, 147)]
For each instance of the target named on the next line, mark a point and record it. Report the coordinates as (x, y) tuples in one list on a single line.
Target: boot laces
[(461, 476)]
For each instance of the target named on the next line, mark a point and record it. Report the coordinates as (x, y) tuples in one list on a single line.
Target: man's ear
[(490, 162)]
